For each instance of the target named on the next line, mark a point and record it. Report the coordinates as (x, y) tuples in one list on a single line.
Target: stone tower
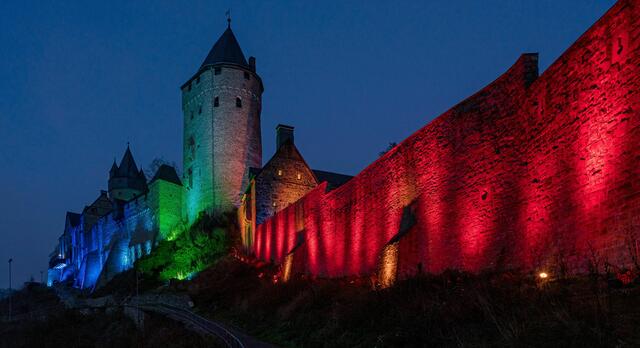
[(221, 105), (126, 181)]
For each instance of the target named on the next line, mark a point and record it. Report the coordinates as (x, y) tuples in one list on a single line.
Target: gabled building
[(283, 180)]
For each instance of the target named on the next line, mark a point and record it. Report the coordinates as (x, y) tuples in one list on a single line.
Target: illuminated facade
[(221, 105), (283, 180), (120, 226), (533, 172)]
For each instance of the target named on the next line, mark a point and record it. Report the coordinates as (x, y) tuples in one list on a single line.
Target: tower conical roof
[(226, 50), (128, 166), (114, 169)]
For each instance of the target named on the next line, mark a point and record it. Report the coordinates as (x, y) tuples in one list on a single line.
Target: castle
[(222, 154), (533, 172)]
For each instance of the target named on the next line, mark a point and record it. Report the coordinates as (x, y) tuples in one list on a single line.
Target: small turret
[(114, 169), (125, 181)]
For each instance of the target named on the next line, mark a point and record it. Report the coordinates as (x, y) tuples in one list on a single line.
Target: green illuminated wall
[(166, 203)]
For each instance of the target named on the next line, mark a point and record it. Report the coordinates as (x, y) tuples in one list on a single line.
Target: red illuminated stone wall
[(529, 173)]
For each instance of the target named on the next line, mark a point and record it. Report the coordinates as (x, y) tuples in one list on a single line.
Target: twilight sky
[(78, 81)]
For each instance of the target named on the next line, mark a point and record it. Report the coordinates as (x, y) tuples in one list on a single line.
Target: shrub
[(190, 252)]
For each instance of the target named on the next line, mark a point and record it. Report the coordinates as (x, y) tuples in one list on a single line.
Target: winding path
[(174, 307), (231, 337)]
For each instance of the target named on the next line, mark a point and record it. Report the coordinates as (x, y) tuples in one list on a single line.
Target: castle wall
[(119, 238), (167, 205), (527, 173)]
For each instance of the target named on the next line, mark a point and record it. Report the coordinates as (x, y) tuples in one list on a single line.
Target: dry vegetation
[(452, 309), (43, 322)]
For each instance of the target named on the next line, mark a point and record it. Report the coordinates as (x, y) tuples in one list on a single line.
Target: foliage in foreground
[(191, 251), (452, 309)]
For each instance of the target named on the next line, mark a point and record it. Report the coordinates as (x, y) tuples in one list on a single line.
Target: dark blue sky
[(78, 80)]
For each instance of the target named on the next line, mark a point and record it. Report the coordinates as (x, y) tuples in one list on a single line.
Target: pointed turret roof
[(226, 50), (114, 169), (128, 167)]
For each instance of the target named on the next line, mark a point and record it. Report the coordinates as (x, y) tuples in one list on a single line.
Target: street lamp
[(10, 291)]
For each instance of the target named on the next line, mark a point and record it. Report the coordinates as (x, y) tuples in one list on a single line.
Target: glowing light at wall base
[(287, 266), (388, 266)]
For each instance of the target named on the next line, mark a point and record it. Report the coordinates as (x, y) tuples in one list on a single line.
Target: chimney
[(252, 63), (284, 133)]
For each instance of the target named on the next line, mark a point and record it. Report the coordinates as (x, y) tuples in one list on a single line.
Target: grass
[(451, 309)]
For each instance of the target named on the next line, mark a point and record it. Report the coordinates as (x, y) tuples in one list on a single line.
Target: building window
[(200, 110), (279, 172), (247, 76), (238, 102), (217, 71), (274, 204), (190, 177), (299, 176), (216, 102)]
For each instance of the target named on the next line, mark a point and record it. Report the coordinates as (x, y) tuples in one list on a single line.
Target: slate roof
[(333, 180), (74, 218), (167, 173), (114, 168), (127, 175), (128, 167), (226, 50)]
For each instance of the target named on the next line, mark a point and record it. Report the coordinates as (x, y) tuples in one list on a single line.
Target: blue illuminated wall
[(109, 235)]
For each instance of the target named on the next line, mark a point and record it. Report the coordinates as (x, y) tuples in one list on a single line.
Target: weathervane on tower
[(228, 14)]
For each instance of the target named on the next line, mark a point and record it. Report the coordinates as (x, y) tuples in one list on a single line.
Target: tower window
[(190, 177), (279, 172), (299, 176), (216, 102), (247, 76), (217, 71), (200, 110), (238, 102)]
